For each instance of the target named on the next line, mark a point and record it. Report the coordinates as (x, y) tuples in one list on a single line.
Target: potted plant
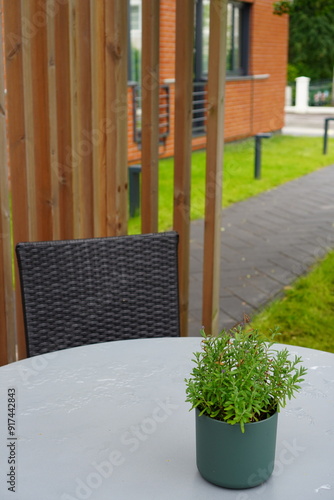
[(238, 385)]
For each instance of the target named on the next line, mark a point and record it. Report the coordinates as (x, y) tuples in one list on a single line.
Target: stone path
[(267, 242), (309, 124)]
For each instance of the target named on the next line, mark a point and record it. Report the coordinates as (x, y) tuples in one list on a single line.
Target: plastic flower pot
[(232, 459)]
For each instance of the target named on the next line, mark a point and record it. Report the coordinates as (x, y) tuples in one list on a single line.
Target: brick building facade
[(256, 76)]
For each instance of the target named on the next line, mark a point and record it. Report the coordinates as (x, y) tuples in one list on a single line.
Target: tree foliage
[(311, 47)]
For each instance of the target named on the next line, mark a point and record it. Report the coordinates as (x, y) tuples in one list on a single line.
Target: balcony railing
[(200, 105), (198, 116), (164, 113)]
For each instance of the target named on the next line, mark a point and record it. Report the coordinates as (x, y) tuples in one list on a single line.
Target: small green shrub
[(239, 378)]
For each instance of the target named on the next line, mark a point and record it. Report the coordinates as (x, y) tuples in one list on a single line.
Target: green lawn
[(283, 159), (305, 313)]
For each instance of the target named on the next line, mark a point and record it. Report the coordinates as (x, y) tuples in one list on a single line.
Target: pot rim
[(237, 423)]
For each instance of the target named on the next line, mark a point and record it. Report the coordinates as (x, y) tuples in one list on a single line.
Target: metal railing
[(199, 113), (164, 113), (200, 105), (320, 93)]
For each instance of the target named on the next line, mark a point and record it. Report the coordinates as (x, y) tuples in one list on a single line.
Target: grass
[(305, 314), (284, 158)]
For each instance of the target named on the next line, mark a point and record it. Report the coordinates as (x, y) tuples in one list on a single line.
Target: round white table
[(109, 421)]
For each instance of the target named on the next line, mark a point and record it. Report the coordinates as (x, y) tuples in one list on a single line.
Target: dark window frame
[(244, 10), (244, 30)]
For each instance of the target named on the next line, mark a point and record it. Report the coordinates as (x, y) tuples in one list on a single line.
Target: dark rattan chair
[(78, 292)]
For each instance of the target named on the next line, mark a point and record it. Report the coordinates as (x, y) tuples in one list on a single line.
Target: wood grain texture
[(7, 313), (81, 125), (13, 41), (52, 118), (150, 115), (39, 173), (116, 19), (182, 146), (62, 165), (214, 160), (98, 82)]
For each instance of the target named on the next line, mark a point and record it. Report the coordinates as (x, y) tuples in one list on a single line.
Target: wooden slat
[(182, 146), (4, 204), (62, 166), (16, 124), (81, 153), (150, 115), (116, 19), (26, 9), (85, 147), (52, 6), (7, 312), (215, 134), (36, 102), (74, 159), (99, 127), (16, 139)]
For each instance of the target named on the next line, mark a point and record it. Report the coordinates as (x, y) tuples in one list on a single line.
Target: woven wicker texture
[(78, 292)]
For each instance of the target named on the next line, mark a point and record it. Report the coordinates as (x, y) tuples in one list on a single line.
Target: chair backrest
[(78, 292)]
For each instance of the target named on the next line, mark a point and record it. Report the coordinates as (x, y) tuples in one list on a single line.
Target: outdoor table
[(110, 421)]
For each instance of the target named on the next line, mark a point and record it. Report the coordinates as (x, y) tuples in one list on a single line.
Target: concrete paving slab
[(307, 125), (267, 242)]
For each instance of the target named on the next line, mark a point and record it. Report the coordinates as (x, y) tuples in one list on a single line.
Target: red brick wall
[(167, 39), (269, 51), (252, 105)]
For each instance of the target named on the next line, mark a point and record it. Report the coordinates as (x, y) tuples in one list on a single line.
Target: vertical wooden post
[(13, 41), (150, 114), (74, 158), (53, 122), (61, 166), (81, 117), (98, 116), (7, 310), (214, 179), (182, 145), (39, 183), (26, 9), (116, 20)]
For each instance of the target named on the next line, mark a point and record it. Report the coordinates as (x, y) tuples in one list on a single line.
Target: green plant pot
[(232, 459)]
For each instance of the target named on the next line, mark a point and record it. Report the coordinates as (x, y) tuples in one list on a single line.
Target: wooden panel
[(81, 153), (215, 134), (16, 139), (16, 125), (99, 126), (26, 9), (51, 6), (150, 115), (7, 313), (36, 95), (116, 116), (62, 165), (182, 146)]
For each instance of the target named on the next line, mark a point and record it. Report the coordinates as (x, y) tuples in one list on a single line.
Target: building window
[(134, 63), (135, 15), (237, 39), (237, 51), (205, 35)]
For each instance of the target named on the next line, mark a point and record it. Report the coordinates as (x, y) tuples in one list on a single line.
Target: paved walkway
[(308, 124), (267, 242)]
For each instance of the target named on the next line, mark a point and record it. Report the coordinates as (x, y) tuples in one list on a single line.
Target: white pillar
[(302, 85), (288, 96)]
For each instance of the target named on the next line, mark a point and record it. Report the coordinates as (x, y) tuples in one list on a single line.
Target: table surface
[(109, 421)]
